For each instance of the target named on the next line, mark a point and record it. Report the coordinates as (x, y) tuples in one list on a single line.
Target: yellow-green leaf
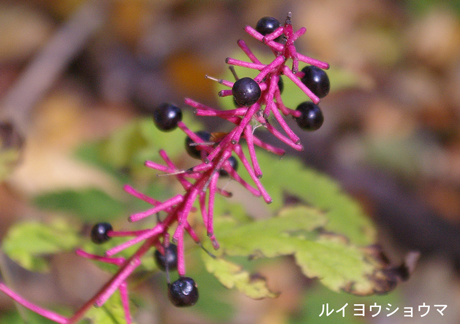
[(28, 243)]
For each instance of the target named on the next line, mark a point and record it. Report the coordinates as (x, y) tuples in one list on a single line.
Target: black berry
[(267, 25), (281, 84), (234, 164), (169, 259), (195, 150), (316, 80), (99, 233), (246, 92), (311, 117), (183, 292), (166, 116)]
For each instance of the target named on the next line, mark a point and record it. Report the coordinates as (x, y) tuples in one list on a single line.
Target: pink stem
[(223, 144), (298, 33), (137, 255), (129, 189), (225, 93), (247, 51), (84, 254), (274, 45), (246, 119), (125, 301), (277, 33), (193, 136), (117, 280), (247, 186), (34, 308), (283, 138), (302, 86), (268, 147), (192, 233), (309, 60), (212, 195), (252, 153), (168, 203), (159, 228), (222, 113), (127, 233), (271, 92), (180, 256), (255, 66), (294, 138), (204, 213), (269, 68), (263, 192), (157, 166)]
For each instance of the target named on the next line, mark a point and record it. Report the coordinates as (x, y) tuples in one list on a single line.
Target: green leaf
[(232, 275), (137, 141), (298, 231), (88, 204), (289, 176), (28, 243)]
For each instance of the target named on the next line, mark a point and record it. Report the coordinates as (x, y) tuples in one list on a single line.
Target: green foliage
[(138, 141), (298, 231), (325, 231), (88, 204), (232, 275), (29, 243), (287, 176)]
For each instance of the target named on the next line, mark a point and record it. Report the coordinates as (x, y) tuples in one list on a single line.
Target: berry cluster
[(258, 102)]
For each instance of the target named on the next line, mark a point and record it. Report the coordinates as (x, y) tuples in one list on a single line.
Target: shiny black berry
[(246, 91), (316, 80), (267, 25), (311, 117), (166, 116), (233, 163), (183, 292), (169, 259), (99, 233), (195, 150)]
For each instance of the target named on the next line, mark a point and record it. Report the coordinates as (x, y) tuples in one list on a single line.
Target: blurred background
[(73, 71)]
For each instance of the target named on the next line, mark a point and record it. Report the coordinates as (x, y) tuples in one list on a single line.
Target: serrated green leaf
[(289, 176), (232, 275), (300, 231), (88, 204), (28, 243)]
